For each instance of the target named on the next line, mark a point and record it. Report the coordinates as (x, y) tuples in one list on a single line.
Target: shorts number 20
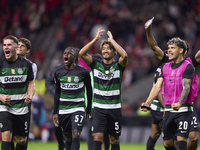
[(183, 125)]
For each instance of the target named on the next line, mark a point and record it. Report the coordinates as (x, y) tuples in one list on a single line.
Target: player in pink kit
[(177, 78), (195, 61)]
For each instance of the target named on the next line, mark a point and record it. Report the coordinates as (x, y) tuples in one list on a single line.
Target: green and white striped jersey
[(71, 86), (14, 77), (107, 84)]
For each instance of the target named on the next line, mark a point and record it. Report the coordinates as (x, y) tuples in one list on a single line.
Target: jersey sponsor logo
[(76, 79), (103, 76), (171, 80), (11, 79), (12, 71), (69, 86)]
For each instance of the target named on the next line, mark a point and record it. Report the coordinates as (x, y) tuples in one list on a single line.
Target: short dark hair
[(75, 53), (26, 42), (11, 37), (178, 42), (187, 45), (107, 42)]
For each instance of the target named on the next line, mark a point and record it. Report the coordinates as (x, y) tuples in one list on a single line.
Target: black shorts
[(176, 124), (69, 122), (194, 123), (157, 117), (18, 124), (107, 121)]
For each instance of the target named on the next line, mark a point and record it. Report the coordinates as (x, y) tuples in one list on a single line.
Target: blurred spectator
[(38, 116), (38, 107), (60, 37), (39, 55), (126, 109), (47, 127)]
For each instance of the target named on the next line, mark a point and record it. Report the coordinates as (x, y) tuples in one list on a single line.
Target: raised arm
[(123, 55), (152, 42), (84, 51)]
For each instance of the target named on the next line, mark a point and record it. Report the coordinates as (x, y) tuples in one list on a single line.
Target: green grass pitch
[(83, 146)]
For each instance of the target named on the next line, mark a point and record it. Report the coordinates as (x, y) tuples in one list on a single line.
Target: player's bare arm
[(88, 113), (154, 93), (30, 91), (84, 51), (160, 98), (123, 55), (186, 89), (197, 56), (152, 42), (55, 120)]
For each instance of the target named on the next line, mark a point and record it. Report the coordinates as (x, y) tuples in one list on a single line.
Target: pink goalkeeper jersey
[(173, 84)]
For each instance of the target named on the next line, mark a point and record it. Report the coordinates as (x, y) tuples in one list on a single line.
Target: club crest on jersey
[(76, 79), (107, 72), (69, 79), (112, 69), (20, 71), (12, 71)]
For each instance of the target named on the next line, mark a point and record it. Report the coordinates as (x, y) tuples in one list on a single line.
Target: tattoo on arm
[(186, 90)]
